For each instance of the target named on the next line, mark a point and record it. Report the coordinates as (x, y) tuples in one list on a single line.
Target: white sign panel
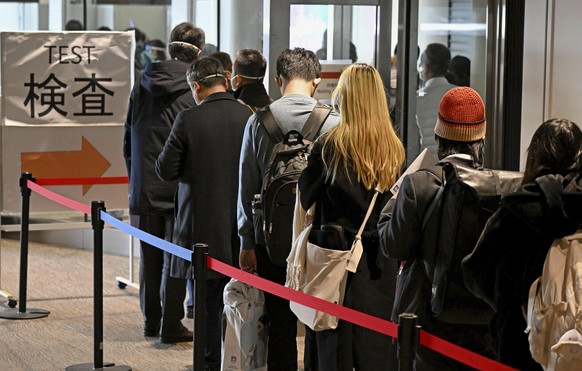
[(68, 78), (330, 74)]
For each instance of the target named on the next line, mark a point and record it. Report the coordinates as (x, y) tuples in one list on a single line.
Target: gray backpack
[(273, 207)]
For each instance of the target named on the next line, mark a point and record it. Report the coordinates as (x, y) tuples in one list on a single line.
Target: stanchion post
[(408, 336), (97, 224), (199, 255), (22, 312)]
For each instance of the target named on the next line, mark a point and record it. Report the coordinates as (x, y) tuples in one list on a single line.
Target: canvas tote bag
[(324, 274)]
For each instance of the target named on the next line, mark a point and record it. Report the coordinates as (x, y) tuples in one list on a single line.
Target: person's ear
[(197, 87), (279, 81), (316, 82)]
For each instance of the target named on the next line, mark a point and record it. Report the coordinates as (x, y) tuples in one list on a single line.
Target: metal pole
[(408, 332), (24, 227), (84, 15), (97, 224), (199, 254), (22, 312)]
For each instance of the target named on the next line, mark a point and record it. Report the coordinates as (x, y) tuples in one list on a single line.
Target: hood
[(165, 80), (551, 205)]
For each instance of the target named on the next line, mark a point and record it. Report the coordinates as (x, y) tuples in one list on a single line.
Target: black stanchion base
[(91, 366), (30, 313)]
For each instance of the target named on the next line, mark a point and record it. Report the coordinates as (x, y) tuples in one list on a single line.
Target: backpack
[(468, 197), (273, 207), (554, 308)]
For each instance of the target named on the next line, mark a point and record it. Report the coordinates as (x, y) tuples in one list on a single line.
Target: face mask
[(246, 77), (422, 74), (232, 81)]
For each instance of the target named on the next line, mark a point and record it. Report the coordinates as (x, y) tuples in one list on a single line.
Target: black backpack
[(273, 207), (468, 197)]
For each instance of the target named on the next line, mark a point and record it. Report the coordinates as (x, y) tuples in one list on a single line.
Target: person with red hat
[(410, 226)]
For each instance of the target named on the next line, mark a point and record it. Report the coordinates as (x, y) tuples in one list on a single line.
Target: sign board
[(64, 102), (330, 74), (65, 78)]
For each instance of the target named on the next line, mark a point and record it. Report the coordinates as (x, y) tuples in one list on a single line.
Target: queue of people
[(197, 151)]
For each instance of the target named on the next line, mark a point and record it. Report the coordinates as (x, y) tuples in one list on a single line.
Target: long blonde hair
[(365, 139)]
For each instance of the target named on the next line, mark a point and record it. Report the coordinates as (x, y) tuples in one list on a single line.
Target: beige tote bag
[(323, 274)]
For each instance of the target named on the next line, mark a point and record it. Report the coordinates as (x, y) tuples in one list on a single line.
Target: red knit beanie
[(461, 116)]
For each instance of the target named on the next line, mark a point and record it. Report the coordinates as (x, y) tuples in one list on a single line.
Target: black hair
[(555, 148), (298, 63), (459, 71), (224, 58), (475, 149), (161, 49), (74, 25), (202, 68), (140, 37), (249, 62), (188, 33), (437, 58)]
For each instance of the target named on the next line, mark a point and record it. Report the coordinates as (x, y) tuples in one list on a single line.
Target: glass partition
[(335, 32), (452, 51)]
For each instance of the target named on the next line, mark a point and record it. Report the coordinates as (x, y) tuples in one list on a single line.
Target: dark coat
[(155, 102), (255, 95), (371, 288), (511, 252), (202, 152), (402, 238)]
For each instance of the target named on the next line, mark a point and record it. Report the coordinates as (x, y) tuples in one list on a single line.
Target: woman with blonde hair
[(346, 167)]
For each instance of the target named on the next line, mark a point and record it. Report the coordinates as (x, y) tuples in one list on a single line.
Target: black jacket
[(511, 252), (345, 202), (155, 102), (202, 152), (254, 95), (402, 238)]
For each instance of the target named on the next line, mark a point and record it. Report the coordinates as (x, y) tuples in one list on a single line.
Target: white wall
[(552, 60)]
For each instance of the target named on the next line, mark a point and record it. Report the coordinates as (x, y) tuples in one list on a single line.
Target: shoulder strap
[(315, 121), (368, 213), (271, 125), (435, 200), (357, 248), (310, 130)]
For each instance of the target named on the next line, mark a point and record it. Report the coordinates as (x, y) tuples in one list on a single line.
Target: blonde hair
[(365, 139)]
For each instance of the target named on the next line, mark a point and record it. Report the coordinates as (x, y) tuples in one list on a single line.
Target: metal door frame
[(276, 19), (504, 65)]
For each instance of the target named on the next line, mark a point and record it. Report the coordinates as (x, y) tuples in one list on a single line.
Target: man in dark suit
[(202, 153)]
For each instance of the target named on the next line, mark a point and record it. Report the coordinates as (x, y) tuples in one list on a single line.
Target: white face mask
[(422, 73), (232, 79)]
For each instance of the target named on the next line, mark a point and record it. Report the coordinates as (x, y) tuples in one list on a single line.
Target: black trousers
[(174, 296), (282, 348), (350, 346), (151, 266)]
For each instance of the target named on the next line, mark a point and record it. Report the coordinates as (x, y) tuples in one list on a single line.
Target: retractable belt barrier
[(362, 319)]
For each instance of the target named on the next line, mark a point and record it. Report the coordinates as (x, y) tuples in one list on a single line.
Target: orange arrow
[(86, 163)]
